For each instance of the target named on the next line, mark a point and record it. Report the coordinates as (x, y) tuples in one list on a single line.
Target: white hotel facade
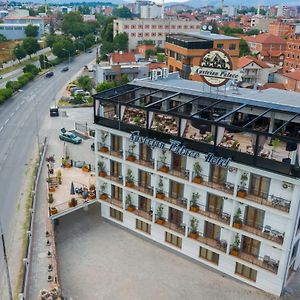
[(227, 191)]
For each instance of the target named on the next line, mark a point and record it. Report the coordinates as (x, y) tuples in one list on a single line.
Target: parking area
[(99, 260)]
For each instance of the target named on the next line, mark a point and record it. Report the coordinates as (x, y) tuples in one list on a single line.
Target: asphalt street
[(20, 120)]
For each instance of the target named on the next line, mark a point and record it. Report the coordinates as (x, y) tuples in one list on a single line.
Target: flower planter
[(131, 158), (237, 225), (160, 195), (130, 184), (51, 189), (67, 165), (194, 235), (160, 221), (242, 194), (102, 174), (164, 169), (198, 179), (195, 208), (91, 196), (72, 203), (85, 169), (104, 149), (131, 208), (103, 196), (234, 252), (53, 211)]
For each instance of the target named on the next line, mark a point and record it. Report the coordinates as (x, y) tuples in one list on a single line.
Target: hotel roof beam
[(230, 113), (183, 104), (163, 100), (206, 107), (128, 91), (286, 123), (142, 96), (257, 118)]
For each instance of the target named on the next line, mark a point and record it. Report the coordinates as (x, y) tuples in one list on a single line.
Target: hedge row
[(30, 71)]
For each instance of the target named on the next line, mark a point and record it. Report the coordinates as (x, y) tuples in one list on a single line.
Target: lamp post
[(6, 263), (69, 54)]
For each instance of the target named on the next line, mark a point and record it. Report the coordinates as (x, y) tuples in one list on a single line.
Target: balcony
[(264, 231), (106, 149), (118, 178), (171, 198), (146, 189), (178, 172), (180, 228), (217, 215), (114, 201), (214, 243), (221, 185), (265, 262), (268, 200), (144, 214), (138, 159)]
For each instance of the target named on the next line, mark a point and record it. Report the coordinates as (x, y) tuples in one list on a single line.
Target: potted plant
[(197, 170), (194, 228), (92, 187), (275, 144), (159, 215), (85, 168), (53, 211), (235, 249), (160, 191), (194, 202), (242, 192), (51, 189), (72, 202), (50, 198), (103, 193), (102, 168), (59, 177), (209, 138), (131, 156), (129, 205), (164, 168), (129, 178), (237, 219), (137, 120), (103, 147)]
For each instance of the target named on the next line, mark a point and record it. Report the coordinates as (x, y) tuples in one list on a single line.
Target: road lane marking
[(23, 101), (12, 114), (1, 128), (5, 123)]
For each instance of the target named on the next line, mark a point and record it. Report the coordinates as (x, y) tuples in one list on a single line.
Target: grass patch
[(62, 102)]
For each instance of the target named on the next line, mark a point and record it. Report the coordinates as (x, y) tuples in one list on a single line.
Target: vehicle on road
[(69, 136), (54, 112), (65, 69), (93, 146), (90, 51), (49, 74)]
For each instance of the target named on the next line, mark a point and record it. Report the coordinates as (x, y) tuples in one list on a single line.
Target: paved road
[(19, 119)]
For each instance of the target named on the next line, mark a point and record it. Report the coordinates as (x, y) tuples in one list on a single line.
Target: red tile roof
[(122, 57), (157, 65), (246, 60), (265, 38), (293, 75), (272, 85), (22, 18)]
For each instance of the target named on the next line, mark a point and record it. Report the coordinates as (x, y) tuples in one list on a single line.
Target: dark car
[(90, 51), (49, 74), (54, 112), (65, 69), (93, 146)]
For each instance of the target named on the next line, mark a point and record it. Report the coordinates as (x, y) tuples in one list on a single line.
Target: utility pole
[(6, 264)]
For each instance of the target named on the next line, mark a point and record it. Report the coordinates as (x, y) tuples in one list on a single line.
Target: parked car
[(93, 146), (65, 69), (49, 74), (54, 112), (90, 51), (69, 136)]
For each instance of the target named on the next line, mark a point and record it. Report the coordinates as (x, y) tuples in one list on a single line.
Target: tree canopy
[(120, 41), (31, 45), (122, 12), (31, 30), (19, 52), (244, 48), (63, 47)]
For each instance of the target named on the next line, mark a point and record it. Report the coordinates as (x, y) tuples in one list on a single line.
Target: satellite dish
[(210, 28), (204, 27)]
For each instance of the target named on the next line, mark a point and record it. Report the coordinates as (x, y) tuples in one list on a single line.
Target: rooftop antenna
[(258, 10), (222, 4), (163, 9), (45, 6)]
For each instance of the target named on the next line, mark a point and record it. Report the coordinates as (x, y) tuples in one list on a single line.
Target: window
[(173, 27), (132, 34), (153, 34), (209, 255), (140, 34), (245, 271), (147, 34), (220, 46), (153, 26), (172, 54), (160, 27), (259, 186), (173, 239), (132, 26), (179, 27), (118, 215), (147, 26), (140, 26), (143, 226), (126, 27), (232, 46), (192, 27)]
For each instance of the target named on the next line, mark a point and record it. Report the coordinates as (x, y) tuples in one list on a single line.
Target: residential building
[(254, 70), (186, 50), (151, 11), (292, 53), (269, 47), (281, 29), (282, 11), (292, 80), (156, 30), (213, 175), (119, 58), (229, 11), (260, 22), (3, 14), (37, 21), (89, 18)]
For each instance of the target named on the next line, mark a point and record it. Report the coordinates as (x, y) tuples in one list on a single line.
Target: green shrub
[(31, 69), (14, 85), (5, 94)]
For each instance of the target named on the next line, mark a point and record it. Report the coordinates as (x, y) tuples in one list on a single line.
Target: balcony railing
[(218, 215), (139, 159), (172, 170), (180, 228), (118, 178), (214, 243), (146, 189), (268, 200), (263, 231), (144, 214), (265, 262), (172, 198), (114, 201), (220, 185), (106, 149)]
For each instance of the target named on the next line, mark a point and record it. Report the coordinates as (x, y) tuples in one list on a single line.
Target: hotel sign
[(216, 68), (178, 148)]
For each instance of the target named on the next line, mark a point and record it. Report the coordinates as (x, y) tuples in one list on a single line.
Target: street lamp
[(69, 54)]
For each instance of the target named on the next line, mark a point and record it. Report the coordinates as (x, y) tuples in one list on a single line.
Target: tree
[(31, 30), (105, 86), (105, 49), (85, 10), (31, 69), (2, 38), (85, 82), (107, 34), (31, 45), (161, 57), (71, 23), (252, 32), (122, 12), (149, 53), (124, 79), (19, 52), (244, 48), (63, 47), (120, 41)]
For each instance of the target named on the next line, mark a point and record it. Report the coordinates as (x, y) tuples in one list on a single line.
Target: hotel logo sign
[(178, 148), (216, 68)]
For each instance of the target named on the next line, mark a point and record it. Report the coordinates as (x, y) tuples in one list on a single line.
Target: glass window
[(232, 46), (245, 271), (220, 46), (209, 255), (173, 239), (118, 215), (143, 226)]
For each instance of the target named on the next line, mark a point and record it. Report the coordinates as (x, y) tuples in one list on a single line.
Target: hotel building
[(211, 174)]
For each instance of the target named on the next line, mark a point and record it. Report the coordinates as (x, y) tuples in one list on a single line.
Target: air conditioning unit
[(165, 72), (232, 170), (287, 185), (154, 75)]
